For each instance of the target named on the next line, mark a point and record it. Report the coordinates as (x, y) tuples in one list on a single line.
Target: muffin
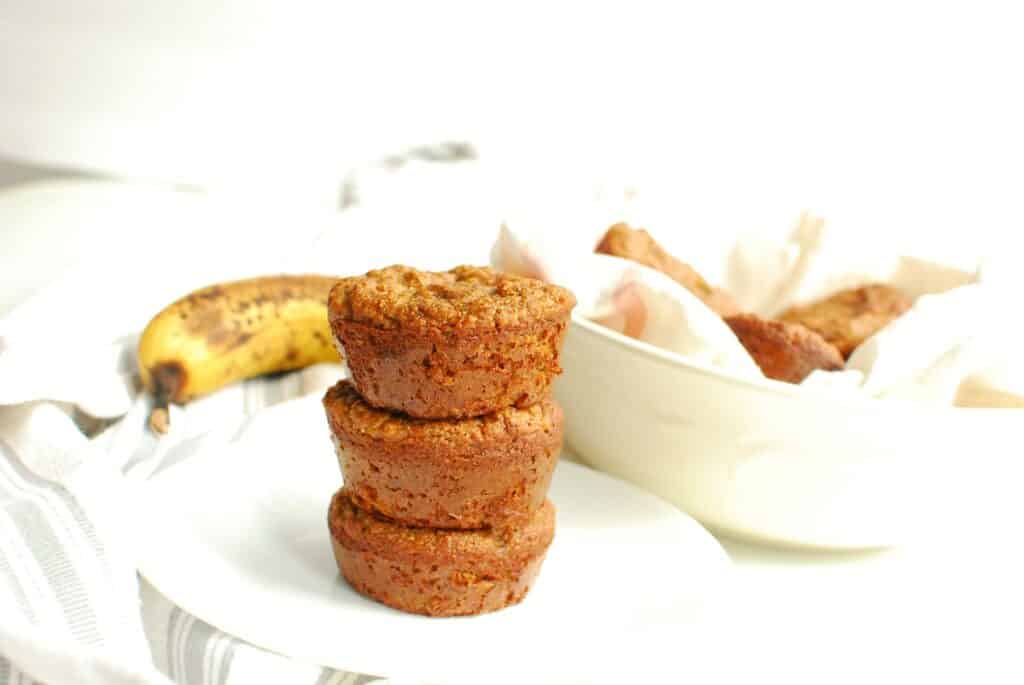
[(453, 344), (487, 471), (848, 318), (637, 245), (437, 572), (784, 351)]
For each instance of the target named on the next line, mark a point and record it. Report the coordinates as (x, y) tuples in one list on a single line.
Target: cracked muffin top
[(466, 297)]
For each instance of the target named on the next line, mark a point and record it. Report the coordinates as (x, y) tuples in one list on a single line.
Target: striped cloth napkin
[(69, 596), (72, 608)]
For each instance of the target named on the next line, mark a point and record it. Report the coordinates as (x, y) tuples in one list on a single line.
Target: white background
[(898, 114)]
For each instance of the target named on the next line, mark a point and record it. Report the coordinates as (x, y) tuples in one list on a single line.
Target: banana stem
[(167, 380), (160, 417)]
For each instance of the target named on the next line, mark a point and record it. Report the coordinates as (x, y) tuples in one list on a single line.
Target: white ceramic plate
[(239, 539)]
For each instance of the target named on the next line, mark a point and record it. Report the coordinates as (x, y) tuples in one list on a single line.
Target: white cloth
[(951, 347), (69, 595)]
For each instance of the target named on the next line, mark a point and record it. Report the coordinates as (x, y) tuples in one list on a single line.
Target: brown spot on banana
[(231, 331), (227, 339), (203, 319)]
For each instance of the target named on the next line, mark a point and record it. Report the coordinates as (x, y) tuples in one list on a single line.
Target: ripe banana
[(227, 332)]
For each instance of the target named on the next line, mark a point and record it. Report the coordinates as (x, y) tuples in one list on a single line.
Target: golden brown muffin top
[(351, 416), (365, 531), (466, 297)]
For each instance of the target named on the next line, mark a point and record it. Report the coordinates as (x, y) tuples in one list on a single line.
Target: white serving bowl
[(766, 460)]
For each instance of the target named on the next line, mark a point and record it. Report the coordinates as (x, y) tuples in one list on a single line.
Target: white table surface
[(948, 606)]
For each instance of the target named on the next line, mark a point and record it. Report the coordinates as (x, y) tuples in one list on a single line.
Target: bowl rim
[(777, 388)]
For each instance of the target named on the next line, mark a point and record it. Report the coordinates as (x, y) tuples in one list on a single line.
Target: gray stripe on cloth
[(27, 573), (173, 671), (41, 517), (56, 491), (219, 651), (54, 528), (9, 580), (211, 652), (291, 386), (331, 677), (327, 677), (227, 656), (10, 675), (196, 652), (50, 552), (324, 677), (274, 390), (254, 396)]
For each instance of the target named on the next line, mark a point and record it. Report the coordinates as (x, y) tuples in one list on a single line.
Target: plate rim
[(148, 559)]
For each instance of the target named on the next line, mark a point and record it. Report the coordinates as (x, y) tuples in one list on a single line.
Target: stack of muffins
[(446, 434)]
